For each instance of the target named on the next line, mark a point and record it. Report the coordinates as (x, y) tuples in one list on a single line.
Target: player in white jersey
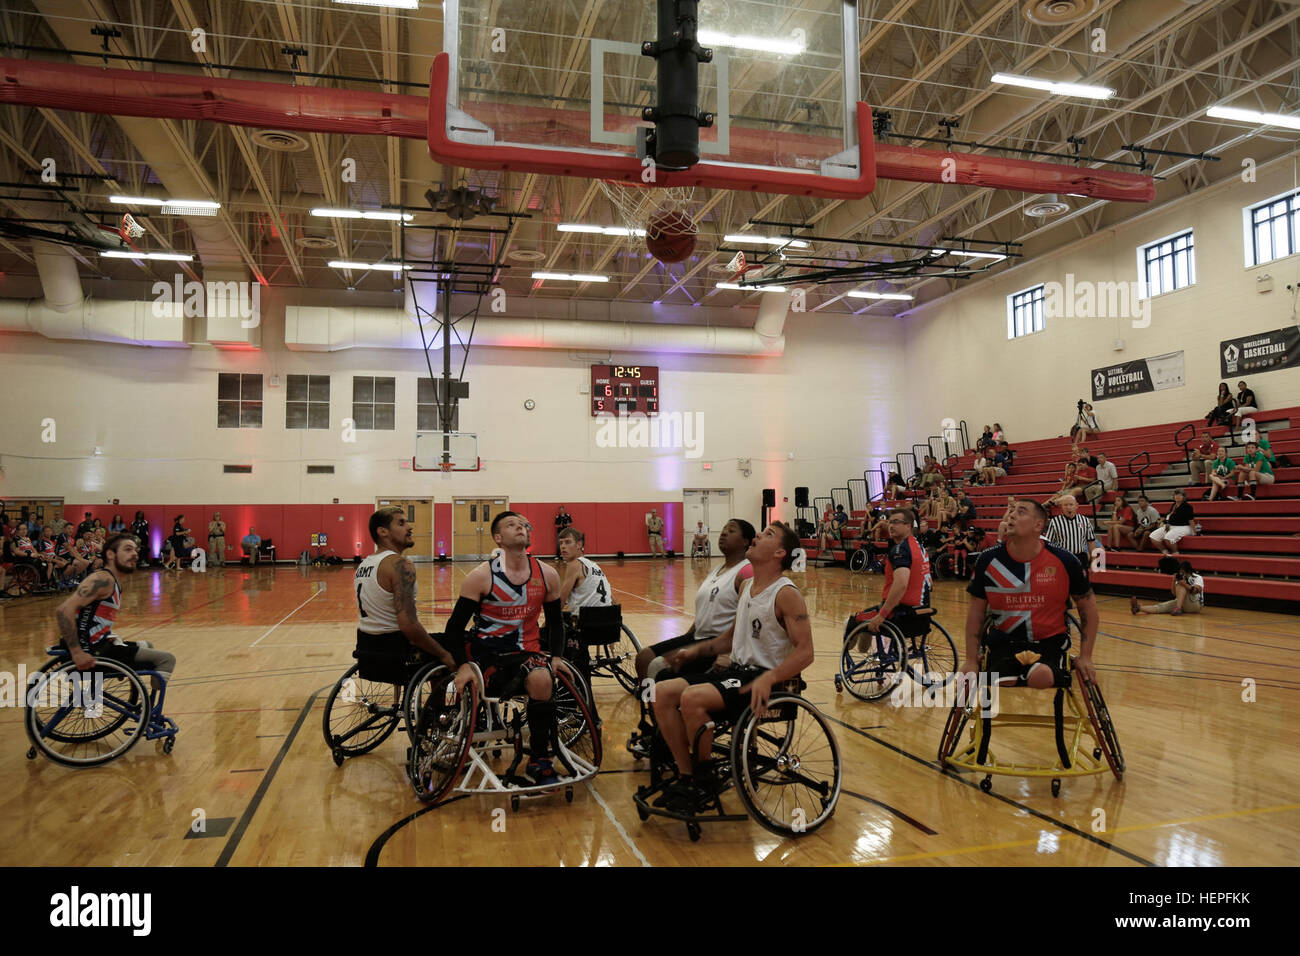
[(583, 583), (385, 586), (770, 643), (715, 604)]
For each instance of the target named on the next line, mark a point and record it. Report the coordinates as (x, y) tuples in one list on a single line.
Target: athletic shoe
[(1247, 497), (1231, 498), (540, 773), (1133, 604)]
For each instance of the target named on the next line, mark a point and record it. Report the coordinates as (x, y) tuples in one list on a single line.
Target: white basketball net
[(637, 206), (132, 228)]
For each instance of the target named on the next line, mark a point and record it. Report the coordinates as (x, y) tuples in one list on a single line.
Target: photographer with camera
[(1187, 587), (1085, 424)]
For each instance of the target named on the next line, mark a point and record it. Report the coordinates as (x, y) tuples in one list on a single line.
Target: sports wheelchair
[(600, 644), (87, 718), (785, 767), (1088, 718), (873, 664), (460, 744), (698, 550)]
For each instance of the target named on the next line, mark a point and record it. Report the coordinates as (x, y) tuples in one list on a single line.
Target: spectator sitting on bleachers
[(1177, 524), (945, 508), (1071, 485), (894, 486), (1122, 525), (1222, 470), (986, 440), (1188, 589), (841, 518), (1246, 404), (999, 436), (930, 539), (1225, 406), (1253, 471), (966, 512), (1085, 424), (1005, 457), (1148, 519), (1202, 453), (989, 470), (826, 531), (930, 473), (1107, 474)]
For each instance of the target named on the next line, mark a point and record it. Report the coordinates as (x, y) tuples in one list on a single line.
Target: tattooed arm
[(408, 620), (96, 586)]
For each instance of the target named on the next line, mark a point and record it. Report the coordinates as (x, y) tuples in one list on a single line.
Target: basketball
[(670, 236)]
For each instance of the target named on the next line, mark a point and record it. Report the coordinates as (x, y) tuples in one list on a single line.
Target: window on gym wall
[(1166, 264), (239, 400), (1025, 312), (307, 402), (1273, 229), (374, 402), (428, 411)]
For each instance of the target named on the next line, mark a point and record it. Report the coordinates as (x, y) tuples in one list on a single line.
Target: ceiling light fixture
[(171, 207), (384, 214), (569, 277), (756, 44), (890, 296), (751, 288), (1051, 86), (346, 264), (767, 241), (995, 256), (1254, 116), (398, 4), (165, 256), (599, 230)]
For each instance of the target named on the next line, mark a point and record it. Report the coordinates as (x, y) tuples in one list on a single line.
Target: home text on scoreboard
[(623, 389)]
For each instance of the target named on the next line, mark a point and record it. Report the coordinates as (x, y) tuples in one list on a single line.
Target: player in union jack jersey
[(1019, 596)]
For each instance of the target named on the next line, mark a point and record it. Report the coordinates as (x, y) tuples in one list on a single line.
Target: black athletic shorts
[(729, 682), (505, 674), (700, 665), (1053, 651)]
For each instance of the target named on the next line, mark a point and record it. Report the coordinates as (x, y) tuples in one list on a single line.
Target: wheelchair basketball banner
[(1262, 352), (1140, 375)]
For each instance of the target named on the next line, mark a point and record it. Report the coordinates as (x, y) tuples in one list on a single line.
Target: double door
[(713, 506), (472, 526)]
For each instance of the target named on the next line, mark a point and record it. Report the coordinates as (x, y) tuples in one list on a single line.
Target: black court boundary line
[(237, 834), (377, 847), (997, 796), (894, 810)]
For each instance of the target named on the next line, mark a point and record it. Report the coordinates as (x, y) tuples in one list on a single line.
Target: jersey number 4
[(600, 590)]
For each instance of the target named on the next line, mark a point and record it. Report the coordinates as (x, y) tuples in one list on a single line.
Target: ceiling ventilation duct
[(1059, 13)]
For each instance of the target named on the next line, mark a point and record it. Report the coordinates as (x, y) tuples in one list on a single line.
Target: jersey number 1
[(360, 607)]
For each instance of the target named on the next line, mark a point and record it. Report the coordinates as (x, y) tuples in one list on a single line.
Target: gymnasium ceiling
[(922, 60)]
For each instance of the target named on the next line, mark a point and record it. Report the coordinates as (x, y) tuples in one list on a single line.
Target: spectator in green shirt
[(1219, 470), (1253, 471)]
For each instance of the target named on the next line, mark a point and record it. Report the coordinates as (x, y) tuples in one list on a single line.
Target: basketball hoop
[(662, 214), (130, 229), (444, 466)]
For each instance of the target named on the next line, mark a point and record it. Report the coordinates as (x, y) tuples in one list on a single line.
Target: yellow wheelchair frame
[(1088, 720)]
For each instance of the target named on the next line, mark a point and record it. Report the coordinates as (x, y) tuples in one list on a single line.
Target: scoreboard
[(623, 389)]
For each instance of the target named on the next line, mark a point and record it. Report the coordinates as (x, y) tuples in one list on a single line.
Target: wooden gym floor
[(1212, 780)]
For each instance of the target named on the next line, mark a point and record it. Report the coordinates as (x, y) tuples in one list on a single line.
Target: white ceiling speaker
[(525, 255), (315, 242), (1046, 206), (282, 141), (1059, 13)]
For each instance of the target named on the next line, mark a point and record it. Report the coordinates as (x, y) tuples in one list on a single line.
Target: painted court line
[(636, 851), (315, 594)]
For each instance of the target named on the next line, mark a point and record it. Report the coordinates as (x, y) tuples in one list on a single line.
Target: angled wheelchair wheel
[(359, 714), (932, 658), (423, 682), (872, 670), (26, 578), (786, 766), (617, 659), (442, 739), (1103, 727), (952, 729), (86, 718), (575, 727)]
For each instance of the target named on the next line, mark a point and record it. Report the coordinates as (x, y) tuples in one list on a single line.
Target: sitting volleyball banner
[(1261, 352), (1140, 375)]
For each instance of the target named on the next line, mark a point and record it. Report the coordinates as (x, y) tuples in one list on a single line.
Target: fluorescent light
[(751, 288), (767, 241), (1050, 86), (1254, 116), (599, 230), (346, 264), (167, 256), (569, 277), (995, 256), (199, 207), (789, 47), (891, 296), (362, 214), (399, 4)]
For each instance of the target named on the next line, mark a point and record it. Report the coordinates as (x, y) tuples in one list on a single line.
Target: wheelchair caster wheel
[(31, 753), (839, 684), (568, 794), (514, 804), (337, 754), (693, 831), (1096, 753), (1056, 787), (644, 815), (497, 752), (987, 784), (168, 744)]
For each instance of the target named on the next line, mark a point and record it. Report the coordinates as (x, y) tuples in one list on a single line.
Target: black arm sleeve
[(554, 611), (454, 634)]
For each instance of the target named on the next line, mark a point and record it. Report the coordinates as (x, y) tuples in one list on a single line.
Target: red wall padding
[(609, 527)]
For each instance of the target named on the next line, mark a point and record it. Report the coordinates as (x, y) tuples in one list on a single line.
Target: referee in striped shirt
[(1072, 531)]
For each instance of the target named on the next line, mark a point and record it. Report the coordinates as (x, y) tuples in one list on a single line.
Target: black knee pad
[(541, 723)]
